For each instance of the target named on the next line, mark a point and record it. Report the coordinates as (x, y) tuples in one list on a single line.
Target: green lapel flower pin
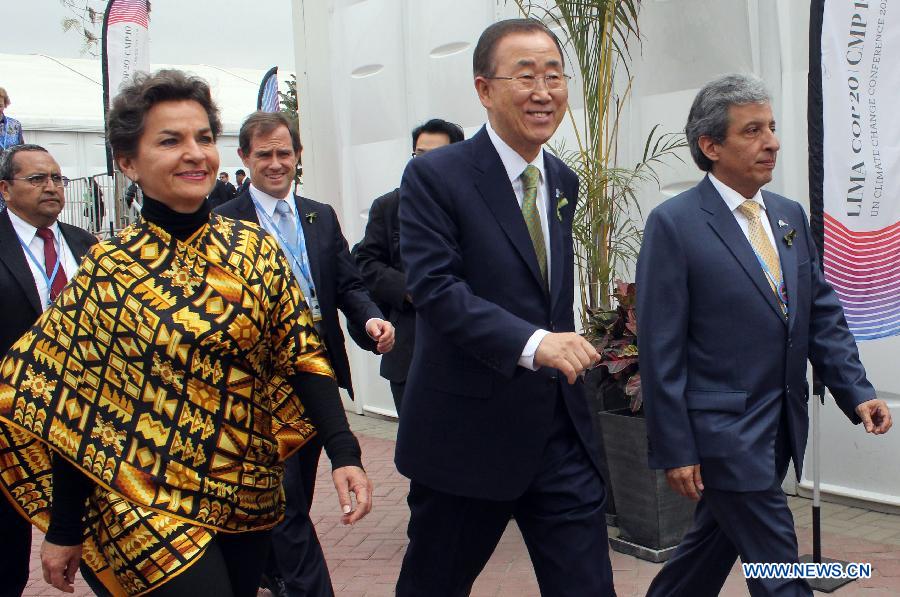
[(311, 216), (789, 237), (561, 202)]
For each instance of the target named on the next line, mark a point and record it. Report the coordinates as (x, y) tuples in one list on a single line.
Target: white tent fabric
[(66, 94), (59, 102)]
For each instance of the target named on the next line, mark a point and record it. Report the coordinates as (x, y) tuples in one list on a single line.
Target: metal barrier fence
[(97, 204)]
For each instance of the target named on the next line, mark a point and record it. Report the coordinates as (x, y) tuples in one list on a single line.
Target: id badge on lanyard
[(315, 309)]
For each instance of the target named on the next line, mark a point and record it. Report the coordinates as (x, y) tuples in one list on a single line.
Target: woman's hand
[(352, 479), (60, 563)]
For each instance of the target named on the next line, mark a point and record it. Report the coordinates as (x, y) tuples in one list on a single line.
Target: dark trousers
[(15, 549), (297, 563), (755, 525), (561, 516), (397, 392), (231, 566)]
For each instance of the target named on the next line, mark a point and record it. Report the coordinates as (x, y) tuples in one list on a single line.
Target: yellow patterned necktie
[(531, 178), (764, 249)]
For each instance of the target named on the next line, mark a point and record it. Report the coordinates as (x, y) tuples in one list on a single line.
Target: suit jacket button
[(553, 378)]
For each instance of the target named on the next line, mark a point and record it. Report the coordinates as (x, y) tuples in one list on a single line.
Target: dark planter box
[(652, 518)]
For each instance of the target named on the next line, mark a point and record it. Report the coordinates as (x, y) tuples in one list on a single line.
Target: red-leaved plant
[(614, 335)]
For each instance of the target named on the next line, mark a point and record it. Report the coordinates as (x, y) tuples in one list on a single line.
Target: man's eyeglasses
[(40, 180), (553, 81)]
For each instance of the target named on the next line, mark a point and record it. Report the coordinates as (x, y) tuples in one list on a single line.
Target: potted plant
[(651, 517)]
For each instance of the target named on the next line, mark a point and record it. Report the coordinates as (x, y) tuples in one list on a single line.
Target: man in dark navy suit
[(494, 422), (378, 258), (31, 181), (310, 236), (243, 182), (731, 303)]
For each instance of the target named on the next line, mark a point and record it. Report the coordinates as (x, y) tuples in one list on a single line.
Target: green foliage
[(599, 35)]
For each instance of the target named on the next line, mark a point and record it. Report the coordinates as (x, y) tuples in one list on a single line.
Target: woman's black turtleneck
[(179, 225), (319, 395)]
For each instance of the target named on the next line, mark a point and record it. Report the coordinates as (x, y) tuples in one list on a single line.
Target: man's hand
[(60, 563), (382, 332), (686, 481), (875, 415), (352, 479), (568, 352)]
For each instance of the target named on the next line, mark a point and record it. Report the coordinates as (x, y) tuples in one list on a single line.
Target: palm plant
[(599, 33)]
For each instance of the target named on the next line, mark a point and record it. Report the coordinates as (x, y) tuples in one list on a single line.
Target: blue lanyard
[(297, 254), (780, 290), (42, 268)]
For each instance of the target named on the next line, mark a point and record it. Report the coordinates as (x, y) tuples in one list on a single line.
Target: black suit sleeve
[(351, 295), (373, 256)]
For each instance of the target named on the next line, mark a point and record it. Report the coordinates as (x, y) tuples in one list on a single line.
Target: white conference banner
[(861, 187), (127, 40), (860, 62), (126, 49)]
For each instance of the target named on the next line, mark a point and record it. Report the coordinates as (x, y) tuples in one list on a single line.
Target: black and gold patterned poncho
[(159, 373)]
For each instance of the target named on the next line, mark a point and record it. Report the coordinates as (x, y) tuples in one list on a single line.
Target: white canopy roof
[(66, 94)]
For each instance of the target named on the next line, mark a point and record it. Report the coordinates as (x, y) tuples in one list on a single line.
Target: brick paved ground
[(365, 560)]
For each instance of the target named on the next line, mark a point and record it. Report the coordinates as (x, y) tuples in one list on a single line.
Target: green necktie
[(531, 179)]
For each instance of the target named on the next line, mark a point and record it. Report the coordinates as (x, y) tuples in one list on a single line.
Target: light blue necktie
[(287, 228), (284, 219)]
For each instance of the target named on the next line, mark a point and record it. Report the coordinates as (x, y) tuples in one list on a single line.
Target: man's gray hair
[(709, 112), (8, 167)]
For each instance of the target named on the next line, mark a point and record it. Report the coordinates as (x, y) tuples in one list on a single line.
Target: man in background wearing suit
[(243, 182), (222, 192), (38, 255), (378, 258), (311, 239), (731, 302), (494, 421)]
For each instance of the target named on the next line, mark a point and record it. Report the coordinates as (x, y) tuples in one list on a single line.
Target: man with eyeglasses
[(378, 258), (38, 255), (494, 421)]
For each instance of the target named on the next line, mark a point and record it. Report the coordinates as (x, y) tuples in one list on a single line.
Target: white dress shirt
[(515, 165), (28, 234), (268, 203), (733, 200)]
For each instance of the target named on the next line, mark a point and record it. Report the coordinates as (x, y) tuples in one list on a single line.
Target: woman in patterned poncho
[(144, 416)]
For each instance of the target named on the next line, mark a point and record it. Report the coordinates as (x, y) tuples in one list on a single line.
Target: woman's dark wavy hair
[(128, 114)]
